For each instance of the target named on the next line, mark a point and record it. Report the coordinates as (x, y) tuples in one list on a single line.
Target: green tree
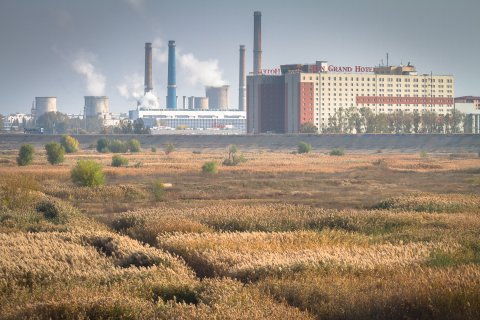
[(304, 147), (103, 145), (139, 127), (210, 167), (55, 152), (70, 144), (134, 146), (25, 155), (88, 173), (119, 161), (54, 122), (308, 128)]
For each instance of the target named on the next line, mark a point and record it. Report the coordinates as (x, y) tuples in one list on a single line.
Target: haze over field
[(72, 48)]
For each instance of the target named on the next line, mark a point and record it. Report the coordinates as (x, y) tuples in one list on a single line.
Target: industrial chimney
[(242, 87), (172, 77), (257, 42), (148, 67)]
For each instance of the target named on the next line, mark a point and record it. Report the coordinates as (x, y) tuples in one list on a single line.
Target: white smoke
[(95, 81), (160, 51), (205, 72), (136, 4), (132, 87), (149, 101)]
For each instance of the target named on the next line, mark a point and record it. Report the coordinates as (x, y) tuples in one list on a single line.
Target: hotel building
[(281, 100)]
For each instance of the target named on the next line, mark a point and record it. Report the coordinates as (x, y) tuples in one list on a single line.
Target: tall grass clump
[(158, 190), (210, 167), (69, 143), (55, 152), (304, 147), (88, 173), (168, 148), (25, 155), (119, 161), (337, 152)]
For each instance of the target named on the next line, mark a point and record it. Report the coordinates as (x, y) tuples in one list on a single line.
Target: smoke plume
[(205, 72), (132, 87), (95, 81)]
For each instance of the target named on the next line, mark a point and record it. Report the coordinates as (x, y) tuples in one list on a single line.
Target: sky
[(70, 48)]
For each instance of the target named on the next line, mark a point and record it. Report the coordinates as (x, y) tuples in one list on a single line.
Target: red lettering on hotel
[(404, 100)]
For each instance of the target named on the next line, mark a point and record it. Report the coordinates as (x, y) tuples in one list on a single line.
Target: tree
[(25, 155), (417, 120), (119, 161), (168, 148), (210, 167), (88, 173), (139, 127), (55, 152), (233, 159), (308, 128), (70, 144), (103, 145), (304, 147), (2, 118), (54, 122)]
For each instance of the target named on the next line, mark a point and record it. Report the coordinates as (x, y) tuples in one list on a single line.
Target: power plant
[(96, 107), (257, 42)]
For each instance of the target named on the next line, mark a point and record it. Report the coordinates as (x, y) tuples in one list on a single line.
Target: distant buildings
[(470, 105)]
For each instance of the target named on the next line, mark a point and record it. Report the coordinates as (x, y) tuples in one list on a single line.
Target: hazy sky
[(72, 48)]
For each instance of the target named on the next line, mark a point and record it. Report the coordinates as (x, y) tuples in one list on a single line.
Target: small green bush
[(154, 149), (119, 161), (55, 152), (423, 154), (168, 148), (70, 144), (337, 152), (210, 167), (88, 173), (304, 147), (158, 190), (25, 155), (118, 146), (103, 145), (134, 146)]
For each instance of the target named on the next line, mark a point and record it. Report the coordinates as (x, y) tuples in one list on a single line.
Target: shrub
[(55, 152), (51, 212), (158, 190), (70, 144), (88, 173), (423, 154), (337, 152), (233, 159), (103, 145), (119, 161), (154, 149), (168, 148), (25, 155), (134, 145), (304, 147), (118, 146), (210, 167)]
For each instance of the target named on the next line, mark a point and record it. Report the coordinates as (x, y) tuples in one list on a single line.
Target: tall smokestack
[(257, 42), (242, 87), (172, 77), (148, 67)]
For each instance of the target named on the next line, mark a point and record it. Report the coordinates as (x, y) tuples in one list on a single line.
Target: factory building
[(469, 105)]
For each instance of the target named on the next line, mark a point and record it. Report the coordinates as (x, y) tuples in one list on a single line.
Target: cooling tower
[(242, 86), (201, 103), (44, 105), (96, 106), (257, 42), (218, 97), (172, 77), (148, 67)]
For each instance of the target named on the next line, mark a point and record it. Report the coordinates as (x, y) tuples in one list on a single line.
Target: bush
[(119, 161), (154, 149), (233, 159), (25, 155), (103, 145), (168, 148), (423, 154), (304, 147), (118, 146), (210, 167), (88, 173), (55, 152), (337, 152), (158, 190), (70, 144), (134, 145)]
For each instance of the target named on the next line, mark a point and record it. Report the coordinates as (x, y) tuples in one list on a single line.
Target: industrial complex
[(284, 99)]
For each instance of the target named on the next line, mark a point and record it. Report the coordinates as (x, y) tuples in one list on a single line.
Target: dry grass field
[(281, 236)]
